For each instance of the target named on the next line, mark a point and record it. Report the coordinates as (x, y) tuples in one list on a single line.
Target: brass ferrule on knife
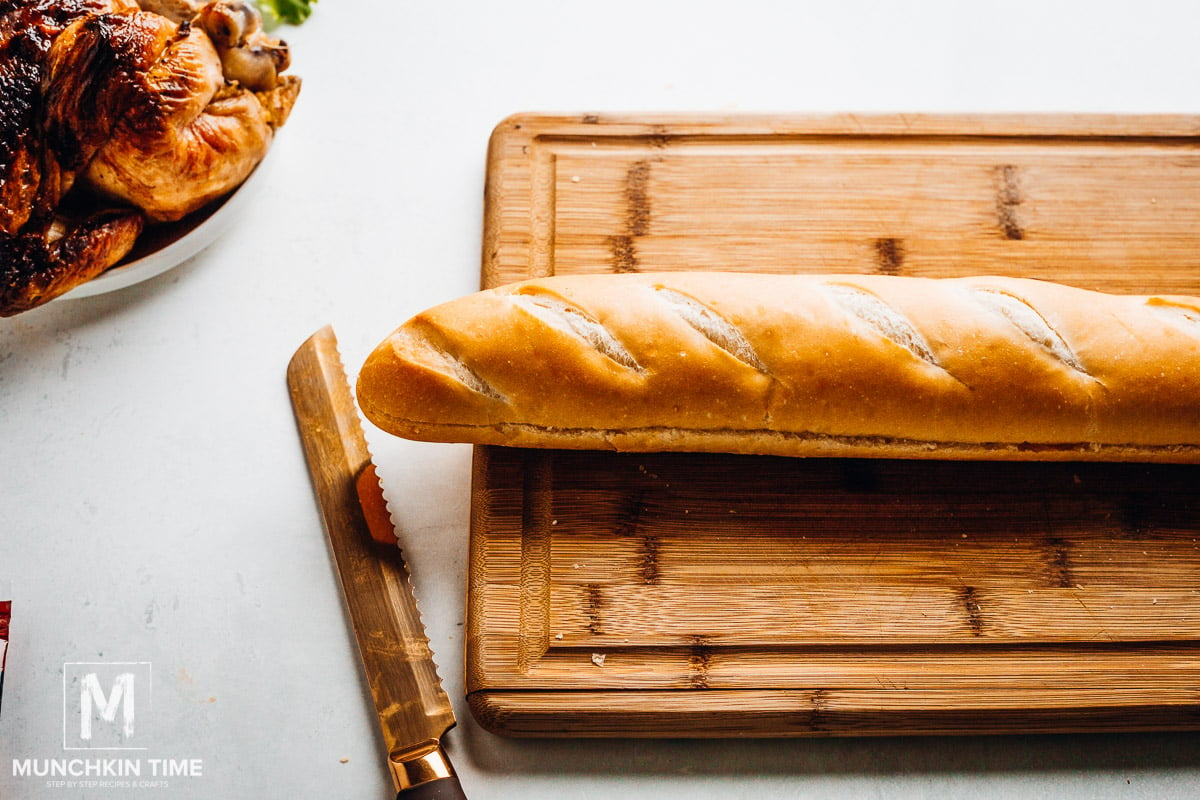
[(420, 764)]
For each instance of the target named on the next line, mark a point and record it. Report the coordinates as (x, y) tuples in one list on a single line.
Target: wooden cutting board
[(711, 595)]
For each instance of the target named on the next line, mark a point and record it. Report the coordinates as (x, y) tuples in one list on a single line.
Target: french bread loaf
[(804, 365)]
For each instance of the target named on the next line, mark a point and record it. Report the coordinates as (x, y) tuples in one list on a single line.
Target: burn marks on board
[(1009, 198), (968, 600), (623, 246), (700, 662), (593, 608), (889, 256), (629, 525), (817, 711), (1058, 563)]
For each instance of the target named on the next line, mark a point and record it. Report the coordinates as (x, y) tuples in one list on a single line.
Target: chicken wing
[(39, 265)]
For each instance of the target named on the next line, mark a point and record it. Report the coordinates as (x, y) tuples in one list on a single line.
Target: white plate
[(166, 245)]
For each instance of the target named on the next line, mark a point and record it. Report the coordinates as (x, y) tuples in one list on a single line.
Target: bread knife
[(414, 711)]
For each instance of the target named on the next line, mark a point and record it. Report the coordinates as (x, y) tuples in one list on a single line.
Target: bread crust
[(803, 365)]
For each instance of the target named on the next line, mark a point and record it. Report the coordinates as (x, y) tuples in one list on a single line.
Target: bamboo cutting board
[(712, 595)]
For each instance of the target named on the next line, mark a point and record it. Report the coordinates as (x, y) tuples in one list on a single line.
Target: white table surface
[(154, 503)]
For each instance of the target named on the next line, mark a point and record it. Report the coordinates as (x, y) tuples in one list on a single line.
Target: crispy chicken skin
[(27, 30), (190, 138), (127, 106), (93, 80), (36, 267)]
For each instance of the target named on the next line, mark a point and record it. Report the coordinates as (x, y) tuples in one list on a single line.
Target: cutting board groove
[(718, 595)]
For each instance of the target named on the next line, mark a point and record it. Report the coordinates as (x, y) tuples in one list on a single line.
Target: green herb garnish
[(292, 12)]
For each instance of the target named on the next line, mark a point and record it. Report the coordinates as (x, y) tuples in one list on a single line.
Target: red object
[(374, 506), (5, 614)]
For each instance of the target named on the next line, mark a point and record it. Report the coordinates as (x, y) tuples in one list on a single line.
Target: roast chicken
[(115, 115)]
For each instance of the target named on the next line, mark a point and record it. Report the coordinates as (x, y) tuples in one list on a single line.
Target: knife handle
[(424, 772), (440, 789)]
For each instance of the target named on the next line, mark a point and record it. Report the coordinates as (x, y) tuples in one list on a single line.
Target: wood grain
[(710, 595)]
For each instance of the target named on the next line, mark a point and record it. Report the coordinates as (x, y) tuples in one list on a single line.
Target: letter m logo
[(91, 693), (102, 702)]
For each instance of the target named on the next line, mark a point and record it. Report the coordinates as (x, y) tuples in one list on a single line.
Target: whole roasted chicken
[(115, 114)]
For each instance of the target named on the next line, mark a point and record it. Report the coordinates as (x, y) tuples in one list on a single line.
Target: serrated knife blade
[(413, 709)]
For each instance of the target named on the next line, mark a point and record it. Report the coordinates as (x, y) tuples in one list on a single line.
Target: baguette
[(799, 365)]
